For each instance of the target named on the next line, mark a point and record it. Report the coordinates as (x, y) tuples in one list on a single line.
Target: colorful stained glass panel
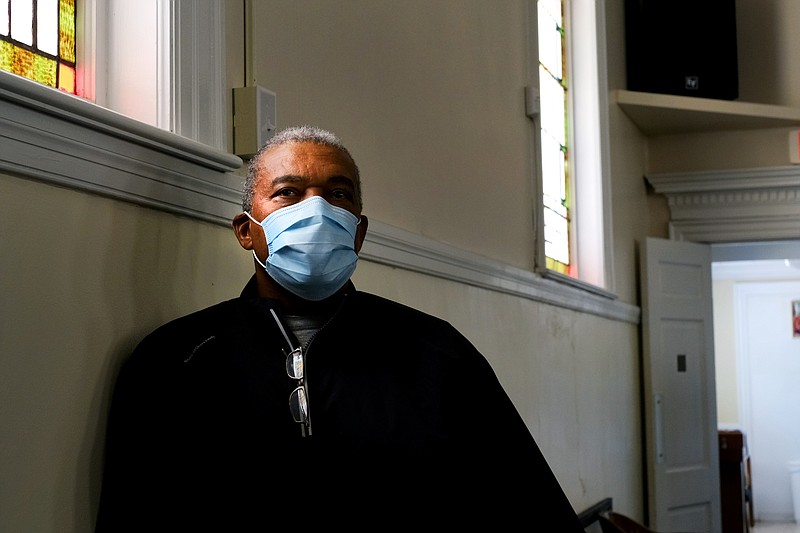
[(6, 55), (66, 30), (37, 41), (554, 135), (66, 78)]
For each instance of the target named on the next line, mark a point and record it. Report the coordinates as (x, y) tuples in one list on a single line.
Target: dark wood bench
[(590, 518)]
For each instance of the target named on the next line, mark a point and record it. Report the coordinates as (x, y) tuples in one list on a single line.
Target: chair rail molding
[(50, 136), (55, 137), (733, 205)]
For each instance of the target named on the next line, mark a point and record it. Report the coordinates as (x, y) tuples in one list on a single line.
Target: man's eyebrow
[(288, 178), (342, 180), (332, 180)]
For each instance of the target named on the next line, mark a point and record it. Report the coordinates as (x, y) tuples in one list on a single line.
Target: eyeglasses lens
[(294, 364), (298, 405)]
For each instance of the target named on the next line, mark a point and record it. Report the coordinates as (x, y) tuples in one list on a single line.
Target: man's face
[(291, 173)]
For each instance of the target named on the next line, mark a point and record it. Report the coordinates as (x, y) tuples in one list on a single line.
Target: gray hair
[(299, 134)]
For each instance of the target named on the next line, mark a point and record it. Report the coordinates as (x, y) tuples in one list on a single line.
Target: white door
[(679, 387), (769, 372)]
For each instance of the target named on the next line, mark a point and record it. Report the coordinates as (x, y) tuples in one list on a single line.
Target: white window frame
[(55, 137), (591, 154), (591, 247), (174, 80)]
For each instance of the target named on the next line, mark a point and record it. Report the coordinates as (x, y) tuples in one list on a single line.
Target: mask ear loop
[(254, 252), (259, 260), (251, 218)]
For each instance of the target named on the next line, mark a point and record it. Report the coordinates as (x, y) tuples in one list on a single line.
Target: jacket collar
[(250, 292)]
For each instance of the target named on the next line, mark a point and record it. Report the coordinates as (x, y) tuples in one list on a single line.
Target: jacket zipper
[(305, 349)]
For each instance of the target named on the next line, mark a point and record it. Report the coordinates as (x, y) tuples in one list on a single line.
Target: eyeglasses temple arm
[(280, 325)]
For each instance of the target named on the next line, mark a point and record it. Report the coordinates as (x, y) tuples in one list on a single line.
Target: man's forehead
[(295, 161), (306, 154), (291, 151)]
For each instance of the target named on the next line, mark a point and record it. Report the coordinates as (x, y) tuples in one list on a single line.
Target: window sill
[(55, 137)]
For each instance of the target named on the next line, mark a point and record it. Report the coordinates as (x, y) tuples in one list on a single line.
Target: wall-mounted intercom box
[(254, 118)]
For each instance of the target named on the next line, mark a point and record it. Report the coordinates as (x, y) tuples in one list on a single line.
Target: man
[(309, 403)]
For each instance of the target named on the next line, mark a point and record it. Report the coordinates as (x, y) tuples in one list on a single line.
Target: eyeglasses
[(298, 401)]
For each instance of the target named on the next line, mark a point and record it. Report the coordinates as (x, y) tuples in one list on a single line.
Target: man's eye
[(341, 194), (286, 192)]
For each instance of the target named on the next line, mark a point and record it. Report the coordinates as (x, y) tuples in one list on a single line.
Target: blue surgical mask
[(311, 247)]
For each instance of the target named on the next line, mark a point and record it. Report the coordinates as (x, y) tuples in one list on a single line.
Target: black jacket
[(410, 428)]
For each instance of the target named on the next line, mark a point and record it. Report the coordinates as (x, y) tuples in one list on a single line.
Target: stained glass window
[(37, 41), (554, 135)]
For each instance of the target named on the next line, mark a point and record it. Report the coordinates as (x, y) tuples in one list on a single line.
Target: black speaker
[(682, 47)]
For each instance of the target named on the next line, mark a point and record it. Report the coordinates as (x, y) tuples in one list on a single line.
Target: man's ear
[(361, 232), (241, 227)]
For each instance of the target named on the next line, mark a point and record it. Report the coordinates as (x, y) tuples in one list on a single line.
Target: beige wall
[(769, 51), (429, 98), (428, 95), (82, 279)]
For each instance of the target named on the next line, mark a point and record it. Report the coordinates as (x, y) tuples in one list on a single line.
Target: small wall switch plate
[(254, 118), (532, 102), (794, 146)]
